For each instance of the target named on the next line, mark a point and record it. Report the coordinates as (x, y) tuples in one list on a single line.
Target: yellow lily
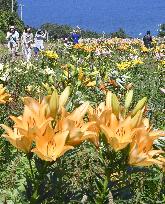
[(91, 84), (50, 54), (80, 74)]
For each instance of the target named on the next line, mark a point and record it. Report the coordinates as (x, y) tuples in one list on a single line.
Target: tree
[(61, 31), (7, 18), (162, 31), (119, 34), (6, 5), (57, 31)]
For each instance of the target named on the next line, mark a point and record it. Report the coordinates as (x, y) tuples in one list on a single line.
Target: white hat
[(12, 27)]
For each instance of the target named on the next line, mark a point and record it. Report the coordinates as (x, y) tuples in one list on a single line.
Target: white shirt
[(39, 41), (12, 38), (27, 38)]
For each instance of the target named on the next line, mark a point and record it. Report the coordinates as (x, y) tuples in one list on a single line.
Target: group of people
[(27, 41), (30, 42)]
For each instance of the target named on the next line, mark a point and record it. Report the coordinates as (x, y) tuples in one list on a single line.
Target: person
[(39, 41), (27, 40), (13, 41), (66, 42), (75, 37), (147, 39)]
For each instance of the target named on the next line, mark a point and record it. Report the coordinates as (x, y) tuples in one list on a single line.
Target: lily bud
[(128, 99), (137, 119), (109, 100), (64, 96), (48, 88), (129, 86), (139, 106), (54, 104), (115, 105)]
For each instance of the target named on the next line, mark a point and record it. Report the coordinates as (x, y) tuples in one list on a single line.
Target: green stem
[(35, 197), (104, 194), (35, 194), (30, 164), (125, 113)]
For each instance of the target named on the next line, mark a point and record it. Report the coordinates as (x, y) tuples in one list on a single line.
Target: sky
[(135, 16)]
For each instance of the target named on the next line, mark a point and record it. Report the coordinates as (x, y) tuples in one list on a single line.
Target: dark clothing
[(147, 39), (75, 38)]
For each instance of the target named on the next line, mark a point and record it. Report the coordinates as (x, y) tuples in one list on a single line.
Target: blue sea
[(134, 16)]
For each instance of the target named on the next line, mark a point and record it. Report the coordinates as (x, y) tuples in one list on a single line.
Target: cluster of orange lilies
[(47, 129), (4, 96)]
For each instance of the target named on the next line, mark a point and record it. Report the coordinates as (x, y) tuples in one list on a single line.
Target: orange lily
[(34, 118), (119, 125), (108, 120), (26, 126), (73, 122), (38, 114), (101, 114), (141, 149), (35, 123), (18, 140), (3, 95), (25, 129), (50, 145), (119, 133)]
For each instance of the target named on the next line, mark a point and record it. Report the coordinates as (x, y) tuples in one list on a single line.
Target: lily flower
[(141, 148), (21, 142), (119, 133), (73, 122), (4, 96), (33, 119), (37, 114), (26, 127), (50, 145), (118, 124)]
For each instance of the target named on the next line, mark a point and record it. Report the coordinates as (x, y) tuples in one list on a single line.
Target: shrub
[(2, 37)]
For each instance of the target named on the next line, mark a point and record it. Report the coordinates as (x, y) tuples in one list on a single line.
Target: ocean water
[(134, 16)]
